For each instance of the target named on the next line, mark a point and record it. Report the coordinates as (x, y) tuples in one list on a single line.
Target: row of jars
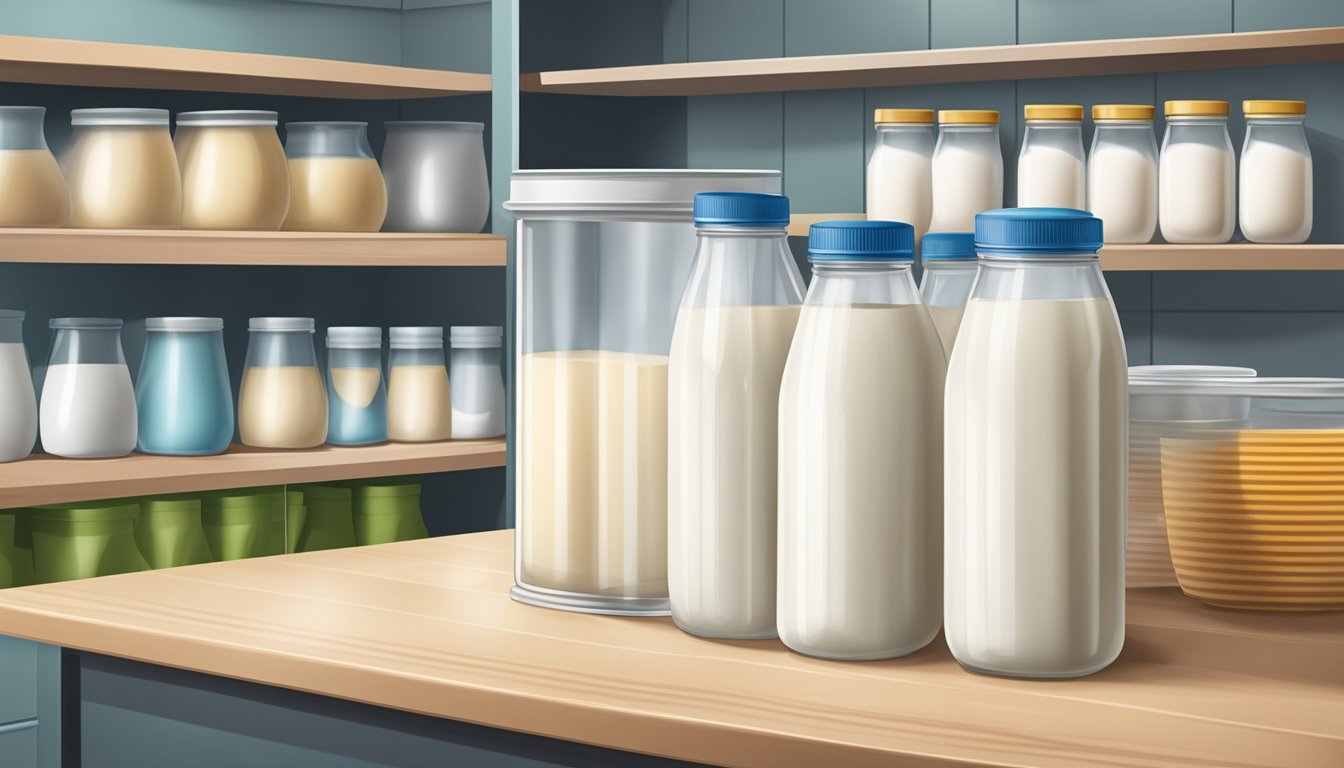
[(120, 169), (182, 401), (1188, 191)]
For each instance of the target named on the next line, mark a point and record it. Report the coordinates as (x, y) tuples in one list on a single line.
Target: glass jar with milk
[(88, 405), (282, 402), (478, 381), (18, 403), (1051, 168), (122, 170), (183, 393), (731, 340), (967, 168), (1122, 172), (356, 394), (900, 171), (234, 174), (949, 273), (1275, 200), (32, 189), (419, 400), (1035, 465), (860, 453), (335, 184), (1197, 174)]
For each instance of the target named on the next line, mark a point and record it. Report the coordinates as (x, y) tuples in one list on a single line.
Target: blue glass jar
[(183, 393), (357, 410)]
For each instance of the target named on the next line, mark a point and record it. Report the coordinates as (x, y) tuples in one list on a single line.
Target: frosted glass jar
[(1197, 174), (183, 393), (478, 381), (282, 402), (436, 176), (18, 403), (1051, 168), (233, 167), (356, 392), (32, 189), (334, 181), (122, 170), (419, 400), (967, 169), (949, 273), (1122, 172), (1275, 201), (900, 171), (88, 405)]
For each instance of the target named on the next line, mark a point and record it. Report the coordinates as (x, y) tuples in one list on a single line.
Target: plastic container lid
[(1241, 386), (416, 337), (119, 116), (1183, 372), (914, 116), (1053, 112), (938, 246), (968, 117), (221, 118), (740, 209), (1123, 111), (283, 324), (184, 324), (476, 336), (1196, 108), (84, 323), (456, 124), (355, 337), (1274, 108), (1027, 232), (634, 193), (861, 241)]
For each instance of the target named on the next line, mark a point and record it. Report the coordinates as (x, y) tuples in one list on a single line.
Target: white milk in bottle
[(949, 273), (900, 171), (1051, 169), (967, 168)]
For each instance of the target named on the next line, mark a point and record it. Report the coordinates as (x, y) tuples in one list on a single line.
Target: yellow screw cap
[(968, 117), (1122, 112), (1197, 108), (918, 116), (1053, 111), (1273, 108)]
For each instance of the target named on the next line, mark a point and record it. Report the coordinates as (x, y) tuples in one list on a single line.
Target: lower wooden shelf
[(44, 479)]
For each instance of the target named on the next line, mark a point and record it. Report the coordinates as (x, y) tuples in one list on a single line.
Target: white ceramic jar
[(900, 171), (1051, 168), (1197, 174), (1122, 172), (1275, 195), (967, 168)]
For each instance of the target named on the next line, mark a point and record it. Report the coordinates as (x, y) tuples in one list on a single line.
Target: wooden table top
[(427, 627)]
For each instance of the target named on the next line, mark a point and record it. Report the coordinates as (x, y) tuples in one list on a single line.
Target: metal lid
[(968, 117), (84, 323), (1070, 112), (666, 192), (184, 324), (476, 336), (461, 125), (219, 118), (281, 324), (355, 337), (1196, 108), (898, 116), (119, 116), (1122, 112), (416, 337)]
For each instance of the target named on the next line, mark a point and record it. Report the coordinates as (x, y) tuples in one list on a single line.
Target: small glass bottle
[(122, 170), (1122, 172), (949, 274), (18, 403), (1197, 174), (1051, 168), (900, 171), (356, 392), (419, 401), (32, 189), (282, 402), (88, 404), (183, 393), (335, 183), (967, 168), (1276, 178), (478, 381)]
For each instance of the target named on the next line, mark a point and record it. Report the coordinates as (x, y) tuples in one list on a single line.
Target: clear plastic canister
[(900, 170), (949, 273), (233, 167), (967, 168), (183, 393), (1275, 200), (436, 176), (32, 189), (121, 170), (1197, 174), (478, 381), (282, 402), (1051, 168), (18, 403), (335, 183), (356, 393), (88, 404), (1122, 172), (419, 400)]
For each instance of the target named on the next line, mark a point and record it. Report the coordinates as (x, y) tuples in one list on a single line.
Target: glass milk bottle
[(860, 453), (1035, 460), (282, 402), (356, 393), (967, 168), (419, 401), (88, 404), (1122, 172), (729, 345), (32, 189), (18, 403), (1275, 195), (183, 393), (478, 381), (1197, 174), (949, 273), (900, 171), (1051, 168)]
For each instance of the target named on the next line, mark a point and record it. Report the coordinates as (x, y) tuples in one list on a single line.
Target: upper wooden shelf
[(947, 65), (184, 246), (119, 65), (45, 479)]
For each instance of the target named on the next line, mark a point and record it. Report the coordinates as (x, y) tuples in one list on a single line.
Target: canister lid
[(1274, 108), (118, 116), (218, 118), (1183, 372), (1122, 111), (968, 117), (459, 125), (1028, 232), (292, 324), (631, 194), (317, 125), (1053, 111), (916, 116), (355, 337), (184, 324), (1242, 386), (476, 336), (861, 241), (940, 246), (416, 337), (84, 323), (1196, 108), (740, 209)]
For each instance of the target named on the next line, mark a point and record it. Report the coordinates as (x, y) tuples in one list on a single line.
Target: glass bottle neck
[(948, 283), (740, 266), (848, 284), (1045, 279)]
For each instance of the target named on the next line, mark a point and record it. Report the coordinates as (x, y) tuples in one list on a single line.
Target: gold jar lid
[(1053, 112), (917, 116), (1274, 108), (1196, 108), (1123, 112), (968, 117)]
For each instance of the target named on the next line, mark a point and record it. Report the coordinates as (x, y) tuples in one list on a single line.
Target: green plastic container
[(295, 515), (84, 540), (249, 522), (23, 548), (9, 553), (386, 512), (169, 532), (330, 521)]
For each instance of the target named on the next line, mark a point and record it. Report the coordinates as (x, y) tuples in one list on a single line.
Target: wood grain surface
[(428, 627)]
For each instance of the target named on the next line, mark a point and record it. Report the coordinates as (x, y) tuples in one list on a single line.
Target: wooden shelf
[(799, 223), (947, 65), (118, 65), (181, 246), (43, 479)]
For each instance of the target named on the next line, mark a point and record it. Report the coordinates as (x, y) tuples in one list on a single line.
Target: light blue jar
[(183, 394), (357, 401)]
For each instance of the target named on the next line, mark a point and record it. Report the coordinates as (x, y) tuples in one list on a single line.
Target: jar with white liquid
[(1035, 462), (1122, 172), (861, 470), (967, 168), (1051, 168), (900, 171), (729, 346), (478, 381), (18, 403), (1197, 174), (419, 402), (88, 404), (282, 402), (949, 273), (122, 170), (1275, 195), (356, 393)]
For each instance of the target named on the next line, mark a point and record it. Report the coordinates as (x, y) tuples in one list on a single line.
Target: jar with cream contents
[(1275, 195), (967, 168), (419, 403), (900, 171), (949, 273), (1197, 174), (282, 402), (357, 396), (1122, 172), (122, 170), (233, 168), (1051, 169), (32, 189), (335, 183)]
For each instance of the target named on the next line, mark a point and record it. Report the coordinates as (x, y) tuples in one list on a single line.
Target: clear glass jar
[(183, 393), (967, 168), (1122, 172), (282, 402), (732, 335), (122, 170), (18, 402), (1051, 168), (602, 260), (861, 471), (949, 274), (478, 381), (88, 405), (1035, 459), (335, 183), (356, 393), (32, 189), (234, 174), (900, 170), (419, 400), (1197, 174), (436, 176), (1275, 201)]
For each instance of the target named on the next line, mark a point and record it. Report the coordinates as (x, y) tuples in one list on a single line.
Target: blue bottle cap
[(740, 209), (948, 245), (1037, 232), (861, 241)]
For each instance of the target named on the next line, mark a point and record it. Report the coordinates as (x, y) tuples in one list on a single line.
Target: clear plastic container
[(233, 167), (419, 400), (1275, 200), (949, 273), (1197, 174), (602, 260), (32, 189), (18, 402), (731, 340), (436, 176), (183, 394), (861, 471), (1122, 172), (967, 168), (282, 402), (335, 183), (1051, 168), (122, 170), (88, 404), (357, 394), (478, 381), (1035, 459), (900, 170)]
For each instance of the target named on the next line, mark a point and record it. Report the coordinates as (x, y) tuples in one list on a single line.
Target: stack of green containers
[(329, 522), (387, 511), (83, 540), (169, 532), (244, 523)]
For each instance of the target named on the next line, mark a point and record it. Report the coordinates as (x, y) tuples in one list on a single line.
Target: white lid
[(219, 118), (281, 324), (476, 336), (119, 116), (416, 337), (84, 323), (1240, 386), (184, 323), (355, 337), (628, 191), (1181, 372)]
